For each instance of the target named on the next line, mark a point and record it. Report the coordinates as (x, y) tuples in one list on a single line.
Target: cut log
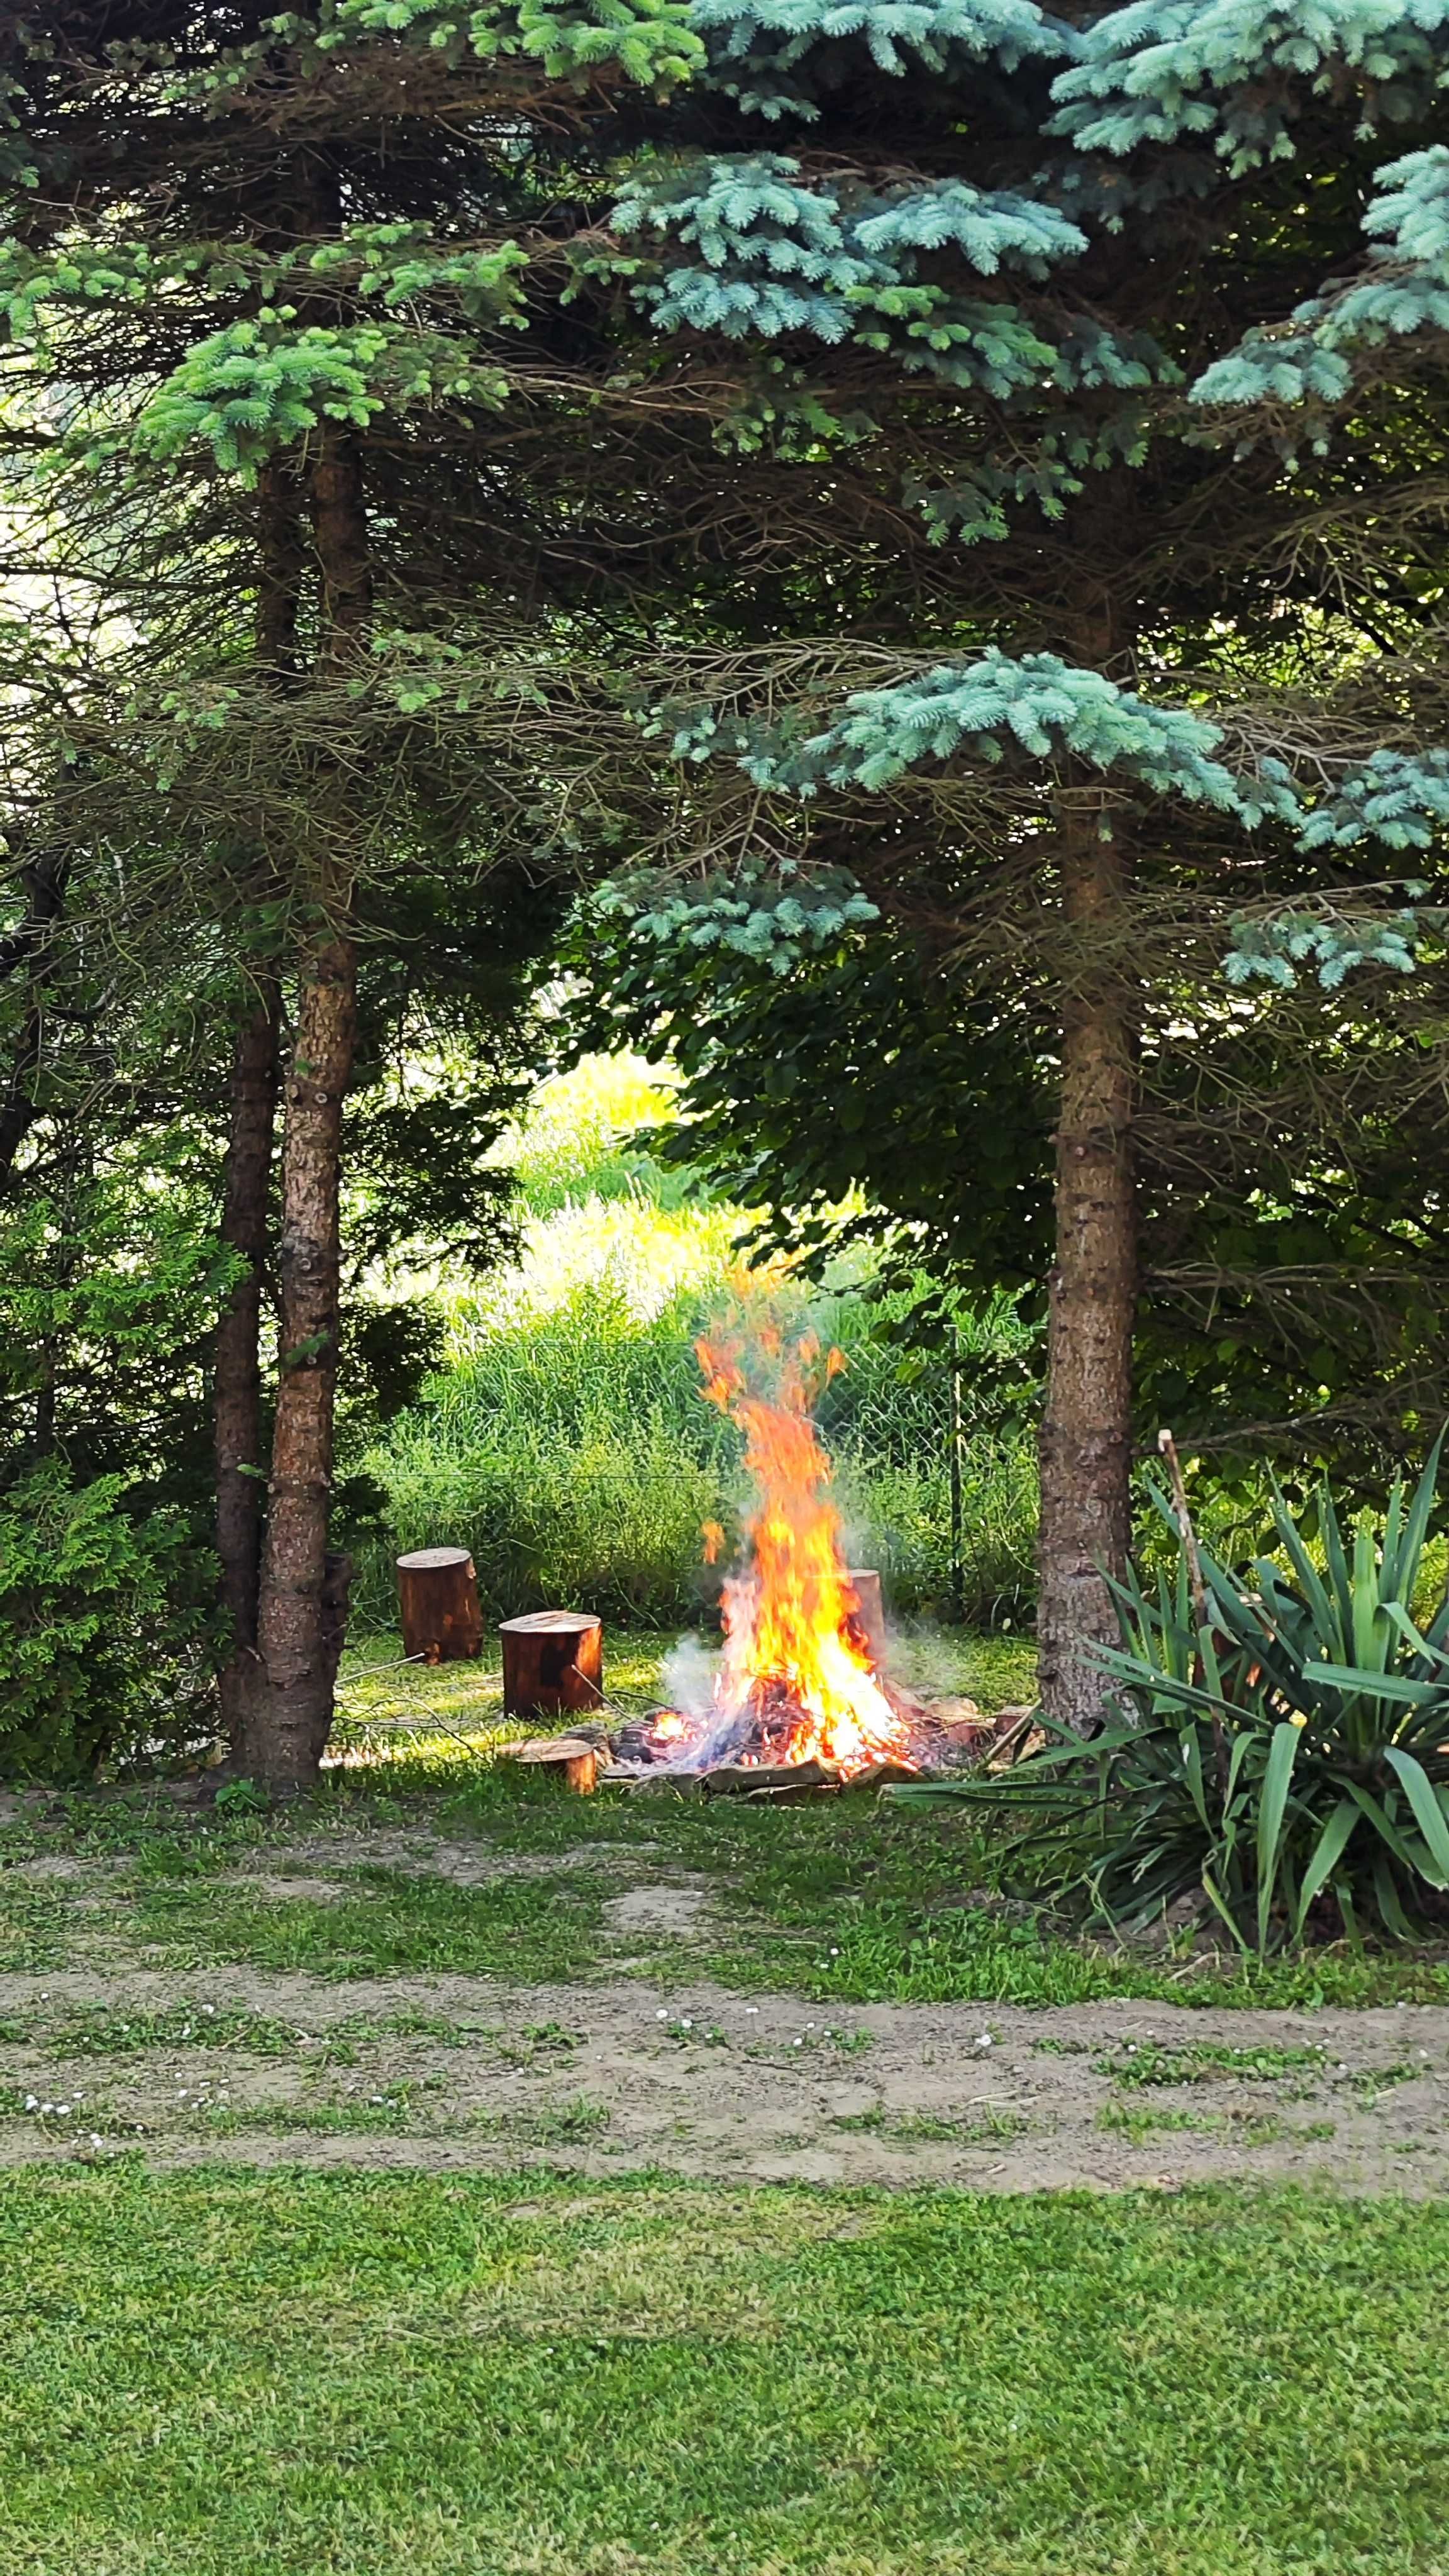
[(774, 1780), (437, 1592), (553, 1661), (576, 1756), (869, 1617)]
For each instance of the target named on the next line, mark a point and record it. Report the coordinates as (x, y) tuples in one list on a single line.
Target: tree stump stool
[(552, 1660), (869, 1619), (437, 1593)]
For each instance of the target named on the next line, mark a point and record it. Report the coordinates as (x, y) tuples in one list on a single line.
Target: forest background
[(935, 627)]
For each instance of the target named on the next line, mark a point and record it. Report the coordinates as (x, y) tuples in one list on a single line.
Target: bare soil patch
[(648, 2067), (463, 2073)]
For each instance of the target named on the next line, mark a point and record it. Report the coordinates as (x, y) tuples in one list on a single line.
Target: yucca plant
[(1270, 1741)]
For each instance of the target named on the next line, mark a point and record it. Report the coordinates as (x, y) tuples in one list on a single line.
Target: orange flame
[(796, 1672)]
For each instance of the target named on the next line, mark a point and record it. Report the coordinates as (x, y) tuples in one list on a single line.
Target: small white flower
[(834, 1950), (797, 2043), (31, 2103), (62, 2110), (661, 2015), (95, 2141), (686, 2023)]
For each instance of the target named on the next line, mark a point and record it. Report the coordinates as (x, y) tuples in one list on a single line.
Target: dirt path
[(453, 2072)]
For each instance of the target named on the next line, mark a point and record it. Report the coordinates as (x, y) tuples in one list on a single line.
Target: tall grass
[(566, 1443)]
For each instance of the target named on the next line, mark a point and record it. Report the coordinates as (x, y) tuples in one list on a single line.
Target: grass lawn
[(211, 2373), (849, 1900)]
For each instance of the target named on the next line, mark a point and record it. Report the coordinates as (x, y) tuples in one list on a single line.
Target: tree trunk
[(303, 1605), (237, 1382), (1086, 1432), (246, 1205)]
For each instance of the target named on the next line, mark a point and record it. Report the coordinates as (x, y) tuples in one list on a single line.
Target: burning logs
[(437, 1593), (553, 1661)]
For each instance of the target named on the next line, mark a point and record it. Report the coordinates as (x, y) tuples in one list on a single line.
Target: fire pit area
[(801, 1704)]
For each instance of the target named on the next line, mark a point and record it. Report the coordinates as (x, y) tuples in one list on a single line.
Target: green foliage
[(649, 41), (776, 255), (609, 1514), (256, 386), (109, 1288), (1284, 1746), (1312, 360), (1039, 706), (776, 995), (782, 254), (772, 56), (1272, 950), (1160, 71), (563, 1438), (777, 915), (105, 1629)]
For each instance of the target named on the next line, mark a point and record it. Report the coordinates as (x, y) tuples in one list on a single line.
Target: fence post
[(958, 1570)]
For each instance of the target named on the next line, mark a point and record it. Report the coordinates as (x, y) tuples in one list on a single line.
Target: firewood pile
[(948, 1737)]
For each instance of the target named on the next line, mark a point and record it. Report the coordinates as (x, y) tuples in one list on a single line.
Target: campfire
[(800, 1698)]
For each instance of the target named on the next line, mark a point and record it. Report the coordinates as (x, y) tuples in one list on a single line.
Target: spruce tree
[(264, 284), (1005, 268)]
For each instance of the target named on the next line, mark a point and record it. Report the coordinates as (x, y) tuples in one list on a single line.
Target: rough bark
[(1086, 1433), (301, 1617), (237, 1380)]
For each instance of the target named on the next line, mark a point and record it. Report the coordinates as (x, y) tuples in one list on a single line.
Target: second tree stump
[(552, 1660), (869, 1618), (437, 1593)]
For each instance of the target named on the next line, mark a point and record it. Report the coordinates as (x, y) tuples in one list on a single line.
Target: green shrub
[(899, 1518), (1275, 1743), (571, 1452), (607, 1516), (566, 1442), (105, 1630)]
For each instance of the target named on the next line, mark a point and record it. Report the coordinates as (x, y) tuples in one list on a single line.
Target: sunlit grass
[(216, 2373)]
